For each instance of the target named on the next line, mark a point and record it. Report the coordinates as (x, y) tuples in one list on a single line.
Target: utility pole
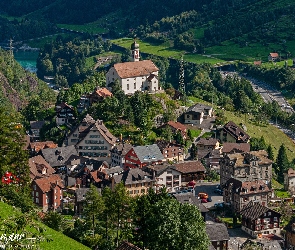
[(181, 80)]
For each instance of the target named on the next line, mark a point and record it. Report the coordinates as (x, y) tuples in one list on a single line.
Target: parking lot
[(209, 189)]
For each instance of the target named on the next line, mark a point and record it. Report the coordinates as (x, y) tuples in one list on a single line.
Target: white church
[(136, 75)]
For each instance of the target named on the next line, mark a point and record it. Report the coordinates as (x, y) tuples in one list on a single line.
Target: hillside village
[(218, 173)]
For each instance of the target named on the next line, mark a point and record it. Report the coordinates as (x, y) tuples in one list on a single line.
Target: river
[(27, 59)]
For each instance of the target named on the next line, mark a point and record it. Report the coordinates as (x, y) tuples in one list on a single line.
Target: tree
[(282, 163), (270, 152), (193, 151), (54, 220)]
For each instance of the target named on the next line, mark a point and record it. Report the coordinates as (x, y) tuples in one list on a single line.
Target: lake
[(27, 59)]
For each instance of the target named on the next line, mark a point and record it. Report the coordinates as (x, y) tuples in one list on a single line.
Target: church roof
[(133, 69)]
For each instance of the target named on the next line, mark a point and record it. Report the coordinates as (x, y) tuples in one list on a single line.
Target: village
[(241, 188)]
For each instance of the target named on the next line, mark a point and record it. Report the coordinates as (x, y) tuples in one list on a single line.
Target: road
[(209, 189)]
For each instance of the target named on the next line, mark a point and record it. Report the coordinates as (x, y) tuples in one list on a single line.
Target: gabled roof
[(37, 124), (122, 149), (253, 187), (37, 164), (162, 144), (217, 231), (207, 141), (191, 199), (198, 108), (133, 69), (149, 153), (254, 210), (103, 92), (49, 182), (274, 54), (127, 246), (133, 176), (244, 159), (190, 167), (235, 131), (37, 146), (58, 156), (229, 147), (176, 125), (62, 106), (161, 168)]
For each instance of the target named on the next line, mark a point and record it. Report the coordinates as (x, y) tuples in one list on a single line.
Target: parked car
[(204, 200), (218, 191), (203, 195), (219, 205), (190, 189), (184, 191), (209, 199)]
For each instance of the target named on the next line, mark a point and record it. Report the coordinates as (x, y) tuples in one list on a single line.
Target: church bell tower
[(135, 51)]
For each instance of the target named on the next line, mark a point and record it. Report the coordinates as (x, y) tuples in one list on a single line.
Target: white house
[(134, 76)]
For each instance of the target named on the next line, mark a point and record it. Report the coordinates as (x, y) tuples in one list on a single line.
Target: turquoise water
[(27, 59)]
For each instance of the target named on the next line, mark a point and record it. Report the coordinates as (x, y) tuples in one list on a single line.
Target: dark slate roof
[(238, 133), (190, 198), (165, 144), (58, 156), (127, 246), (217, 231), (121, 149), (114, 170), (81, 193), (148, 153), (198, 108), (229, 147), (254, 210), (161, 168), (207, 141), (132, 176), (37, 124)]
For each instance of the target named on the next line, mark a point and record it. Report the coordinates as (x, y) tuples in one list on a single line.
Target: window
[(135, 85), (142, 191), (37, 194), (131, 192), (32, 193), (55, 204), (47, 201), (136, 191), (37, 200), (269, 213), (34, 187), (127, 86), (55, 197)]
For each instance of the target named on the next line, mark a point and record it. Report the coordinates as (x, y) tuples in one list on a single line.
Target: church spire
[(135, 51)]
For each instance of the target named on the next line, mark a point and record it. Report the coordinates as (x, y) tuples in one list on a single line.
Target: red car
[(204, 201)]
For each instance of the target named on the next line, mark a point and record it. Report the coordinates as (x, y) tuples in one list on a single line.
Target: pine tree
[(282, 163), (270, 152)]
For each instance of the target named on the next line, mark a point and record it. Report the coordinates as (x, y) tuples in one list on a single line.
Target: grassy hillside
[(60, 241)]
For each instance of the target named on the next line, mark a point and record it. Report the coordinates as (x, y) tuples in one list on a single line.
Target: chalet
[(136, 181), (258, 219), (206, 146), (64, 114), (118, 154), (98, 95), (218, 235), (39, 167), (289, 181), (165, 176), (233, 133), (171, 151), (191, 199), (197, 113), (273, 57), (253, 165), (176, 127), (35, 127), (238, 193), (134, 76), (191, 170), (141, 156), (47, 192)]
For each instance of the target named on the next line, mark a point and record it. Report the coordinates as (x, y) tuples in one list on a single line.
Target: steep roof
[(274, 54), (127, 246), (103, 92), (198, 108), (122, 149), (217, 231), (162, 144), (229, 147), (37, 164), (190, 167), (253, 210), (58, 156), (252, 187), (177, 125), (238, 133), (49, 182), (133, 176), (37, 146), (207, 141), (133, 69), (191, 199), (161, 168), (148, 153)]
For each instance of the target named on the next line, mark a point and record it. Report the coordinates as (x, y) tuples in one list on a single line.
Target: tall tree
[(270, 152), (282, 163)]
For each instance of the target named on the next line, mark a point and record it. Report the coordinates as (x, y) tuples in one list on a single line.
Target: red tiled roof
[(37, 164), (190, 167), (37, 146), (177, 125), (274, 54), (103, 92), (133, 69), (46, 183)]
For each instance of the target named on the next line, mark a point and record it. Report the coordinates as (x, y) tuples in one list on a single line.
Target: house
[(56, 157), (39, 167), (197, 113), (212, 162), (289, 181), (47, 192), (134, 76), (35, 147), (92, 139), (136, 181), (165, 176), (141, 156), (253, 165), (176, 127), (171, 151), (35, 127), (192, 199), (233, 147), (118, 154), (64, 113), (258, 220), (80, 198), (233, 133), (127, 246), (218, 235), (98, 95), (206, 146), (190, 170), (238, 193), (273, 57)]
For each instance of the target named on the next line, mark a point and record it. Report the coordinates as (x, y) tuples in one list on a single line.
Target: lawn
[(195, 132), (281, 193), (92, 28), (60, 241)]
